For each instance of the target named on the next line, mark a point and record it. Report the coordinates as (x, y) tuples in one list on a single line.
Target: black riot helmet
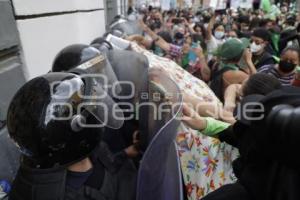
[(101, 44), (53, 123), (118, 32), (88, 62)]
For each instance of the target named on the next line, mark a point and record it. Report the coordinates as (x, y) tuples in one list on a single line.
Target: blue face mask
[(219, 35)]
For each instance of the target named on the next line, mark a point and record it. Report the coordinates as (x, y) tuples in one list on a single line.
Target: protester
[(285, 70), (230, 54), (260, 41), (231, 62), (256, 84), (265, 168)]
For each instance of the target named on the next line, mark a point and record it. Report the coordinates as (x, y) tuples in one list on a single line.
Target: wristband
[(213, 126)]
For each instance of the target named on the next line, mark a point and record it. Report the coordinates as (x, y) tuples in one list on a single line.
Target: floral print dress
[(206, 163)]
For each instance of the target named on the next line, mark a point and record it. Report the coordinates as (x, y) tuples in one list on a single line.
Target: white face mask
[(219, 35), (255, 48), (284, 9)]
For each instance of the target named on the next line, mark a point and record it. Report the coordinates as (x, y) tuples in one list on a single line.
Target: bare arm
[(230, 96), (158, 40), (234, 77), (140, 40), (205, 71), (248, 59), (208, 109), (191, 30), (210, 27)]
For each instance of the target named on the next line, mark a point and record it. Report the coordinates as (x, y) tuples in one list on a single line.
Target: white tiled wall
[(29, 7), (43, 37)]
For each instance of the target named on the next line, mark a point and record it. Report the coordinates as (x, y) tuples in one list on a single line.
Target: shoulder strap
[(216, 84)]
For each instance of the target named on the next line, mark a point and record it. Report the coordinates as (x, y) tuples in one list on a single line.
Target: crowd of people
[(220, 61), (192, 40), (242, 55)]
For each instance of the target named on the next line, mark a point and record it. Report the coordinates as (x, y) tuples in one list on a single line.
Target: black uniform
[(267, 168)]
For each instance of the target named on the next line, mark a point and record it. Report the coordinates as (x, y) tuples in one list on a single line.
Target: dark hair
[(199, 39), (166, 36), (264, 22), (216, 25), (261, 84), (244, 19), (203, 30), (291, 48), (254, 23), (262, 33)]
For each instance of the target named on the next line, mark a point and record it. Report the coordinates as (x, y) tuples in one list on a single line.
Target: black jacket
[(268, 168), (265, 59)]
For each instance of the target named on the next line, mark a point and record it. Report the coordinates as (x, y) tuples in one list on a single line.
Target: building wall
[(32, 32), (45, 27), (11, 73)]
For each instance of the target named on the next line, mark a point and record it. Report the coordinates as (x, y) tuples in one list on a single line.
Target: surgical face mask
[(219, 35), (255, 48), (286, 66)]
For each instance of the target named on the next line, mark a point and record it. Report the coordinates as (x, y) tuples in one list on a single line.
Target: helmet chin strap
[(78, 121)]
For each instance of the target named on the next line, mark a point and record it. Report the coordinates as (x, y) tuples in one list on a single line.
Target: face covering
[(286, 67), (255, 48), (284, 9), (179, 36), (219, 34)]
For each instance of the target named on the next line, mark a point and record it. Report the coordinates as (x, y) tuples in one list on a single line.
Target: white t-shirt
[(212, 45)]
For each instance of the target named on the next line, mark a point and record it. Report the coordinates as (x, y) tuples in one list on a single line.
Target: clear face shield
[(100, 71), (97, 88)]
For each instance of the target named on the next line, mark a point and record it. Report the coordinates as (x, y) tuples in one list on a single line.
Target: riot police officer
[(58, 130)]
